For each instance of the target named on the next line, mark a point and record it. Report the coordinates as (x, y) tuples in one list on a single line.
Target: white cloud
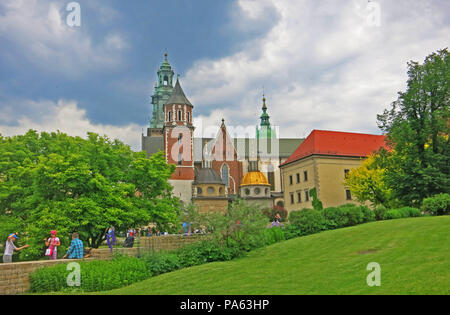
[(325, 65), (38, 33), (67, 117)]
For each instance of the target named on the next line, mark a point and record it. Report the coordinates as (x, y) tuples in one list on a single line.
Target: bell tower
[(178, 132), (163, 90)]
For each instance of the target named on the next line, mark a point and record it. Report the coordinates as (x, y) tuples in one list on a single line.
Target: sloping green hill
[(414, 255)]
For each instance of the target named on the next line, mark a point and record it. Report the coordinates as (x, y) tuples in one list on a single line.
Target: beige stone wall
[(14, 277), (326, 173), (206, 205)]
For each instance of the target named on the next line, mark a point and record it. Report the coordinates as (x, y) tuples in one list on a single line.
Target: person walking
[(111, 238), (10, 248), (75, 250), (52, 243)]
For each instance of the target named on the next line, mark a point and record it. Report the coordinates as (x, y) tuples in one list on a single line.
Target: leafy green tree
[(368, 182), (54, 181), (417, 126)]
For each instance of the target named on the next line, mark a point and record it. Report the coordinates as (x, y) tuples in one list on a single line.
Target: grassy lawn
[(414, 255)]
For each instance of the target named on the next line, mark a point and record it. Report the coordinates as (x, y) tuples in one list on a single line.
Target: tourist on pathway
[(129, 241), (75, 250), (111, 238), (52, 243), (10, 248)]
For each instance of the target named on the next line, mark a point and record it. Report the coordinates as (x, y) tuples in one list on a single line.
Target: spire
[(178, 96), (264, 117)]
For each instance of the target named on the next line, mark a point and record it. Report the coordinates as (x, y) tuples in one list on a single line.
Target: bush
[(96, 275), (404, 212), (163, 262), (308, 221), (273, 235), (380, 212), (437, 205), (335, 218), (346, 215)]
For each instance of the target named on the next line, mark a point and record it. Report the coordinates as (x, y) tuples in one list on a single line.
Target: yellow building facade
[(322, 161)]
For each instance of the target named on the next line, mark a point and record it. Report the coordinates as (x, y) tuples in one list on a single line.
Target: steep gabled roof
[(177, 96), (335, 143)]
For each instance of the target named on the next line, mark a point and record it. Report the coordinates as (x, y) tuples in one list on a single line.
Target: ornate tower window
[(179, 115), (170, 116), (225, 174)]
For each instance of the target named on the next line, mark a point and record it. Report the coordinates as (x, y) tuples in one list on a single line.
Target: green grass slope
[(414, 255)]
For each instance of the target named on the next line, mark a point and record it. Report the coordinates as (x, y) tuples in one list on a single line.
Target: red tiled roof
[(337, 143)]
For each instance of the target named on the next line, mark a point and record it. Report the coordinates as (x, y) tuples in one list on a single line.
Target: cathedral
[(210, 172)]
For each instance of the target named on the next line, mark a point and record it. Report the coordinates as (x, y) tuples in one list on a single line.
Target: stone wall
[(14, 277)]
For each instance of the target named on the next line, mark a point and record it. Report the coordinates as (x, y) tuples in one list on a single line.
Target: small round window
[(257, 191), (247, 191), (210, 190), (199, 191)]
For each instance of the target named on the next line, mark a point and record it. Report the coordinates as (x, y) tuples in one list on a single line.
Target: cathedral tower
[(163, 90), (178, 132)]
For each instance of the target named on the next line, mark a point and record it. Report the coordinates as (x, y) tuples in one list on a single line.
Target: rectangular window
[(299, 197), (298, 178), (348, 194), (306, 195), (292, 198), (346, 173), (290, 180), (305, 175)]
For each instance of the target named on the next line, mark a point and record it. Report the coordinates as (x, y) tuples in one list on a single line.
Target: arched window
[(166, 80), (170, 116), (225, 174), (179, 115), (188, 116)]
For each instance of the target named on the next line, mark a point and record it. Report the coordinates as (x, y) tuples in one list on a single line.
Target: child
[(10, 248), (52, 243)]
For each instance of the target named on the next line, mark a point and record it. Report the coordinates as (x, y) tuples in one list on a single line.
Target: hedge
[(437, 205)]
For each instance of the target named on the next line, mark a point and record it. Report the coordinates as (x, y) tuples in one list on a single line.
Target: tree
[(54, 181), (417, 126), (368, 182)]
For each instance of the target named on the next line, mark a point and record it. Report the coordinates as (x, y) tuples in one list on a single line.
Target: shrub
[(404, 212), (335, 218), (393, 214), (96, 275), (273, 235), (308, 221), (163, 262), (380, 212), (437, 205), (368, 215)]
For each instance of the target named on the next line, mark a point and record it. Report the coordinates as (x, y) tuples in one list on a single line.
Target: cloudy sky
[(325, 64)]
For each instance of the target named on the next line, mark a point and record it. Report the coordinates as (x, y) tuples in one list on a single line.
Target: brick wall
[(14, 277)]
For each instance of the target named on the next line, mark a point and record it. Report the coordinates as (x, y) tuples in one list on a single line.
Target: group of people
[(75, 251)]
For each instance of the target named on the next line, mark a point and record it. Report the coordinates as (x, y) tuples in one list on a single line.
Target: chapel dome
[(254, 178)]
